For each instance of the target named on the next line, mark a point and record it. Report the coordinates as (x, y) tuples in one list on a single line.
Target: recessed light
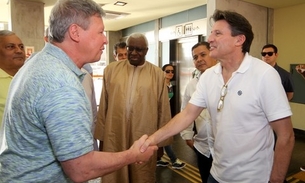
[(120, 3)]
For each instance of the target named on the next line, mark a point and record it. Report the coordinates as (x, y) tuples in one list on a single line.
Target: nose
[(19, 49), (199, 59), (209, 40), (105, 40), (134, 51)]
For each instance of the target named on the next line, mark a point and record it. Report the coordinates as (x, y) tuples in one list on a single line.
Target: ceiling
[(140, 11)]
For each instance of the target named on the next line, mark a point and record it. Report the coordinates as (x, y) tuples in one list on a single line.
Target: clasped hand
[(142, 150)]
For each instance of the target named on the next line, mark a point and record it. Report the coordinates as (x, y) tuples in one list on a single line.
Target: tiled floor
[(189, 175)]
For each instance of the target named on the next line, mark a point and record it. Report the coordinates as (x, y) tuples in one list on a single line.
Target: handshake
[(142, 149)]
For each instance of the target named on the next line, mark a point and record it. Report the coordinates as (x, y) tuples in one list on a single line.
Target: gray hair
[(68, 12), (137, 35), (6, 33), (118, 45), (46, 32)]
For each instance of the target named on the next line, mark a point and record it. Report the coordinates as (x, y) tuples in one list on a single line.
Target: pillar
[(27, 21)]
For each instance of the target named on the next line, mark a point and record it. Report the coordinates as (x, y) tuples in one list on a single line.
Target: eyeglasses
[(267, 53), (132, 48), (223, 93), (169, 71)]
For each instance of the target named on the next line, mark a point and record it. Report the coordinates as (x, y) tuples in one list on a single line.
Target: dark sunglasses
[(168, 71), (132, 48), (267, 53)]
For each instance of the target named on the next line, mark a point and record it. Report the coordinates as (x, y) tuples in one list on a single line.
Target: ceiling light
[(114, 15), (120, 3)]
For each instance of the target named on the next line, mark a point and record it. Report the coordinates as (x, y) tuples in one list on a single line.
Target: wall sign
[(179, 31), (197, 27), (188, 29)]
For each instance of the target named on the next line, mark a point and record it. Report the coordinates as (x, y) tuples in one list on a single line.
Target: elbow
[(292, 138), (79, 178), (77, 170), (290, 141)]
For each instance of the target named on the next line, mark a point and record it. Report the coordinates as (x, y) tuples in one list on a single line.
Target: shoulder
[(209, 74), (153, 68), (3, 74), (191, 85), (193, 82), (259, 67), (115, 65), (148, 64), (281, 70)]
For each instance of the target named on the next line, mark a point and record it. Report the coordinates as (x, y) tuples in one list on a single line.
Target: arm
[(190, 143), (89, 89), (188, 133), (101, 114), (283, 148), (174, 126), (289, 95), (95, 164), (164, 110), (289, 89)]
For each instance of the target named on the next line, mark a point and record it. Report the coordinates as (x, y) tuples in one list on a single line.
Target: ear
[(146, 51), (46, 39), (240, 39), (73, 32)]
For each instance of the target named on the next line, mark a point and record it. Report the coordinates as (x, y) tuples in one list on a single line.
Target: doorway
[(181, 59)]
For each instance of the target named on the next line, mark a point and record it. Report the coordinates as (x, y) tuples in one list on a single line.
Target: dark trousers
[(204, 165), (169, 151), (212, 180)]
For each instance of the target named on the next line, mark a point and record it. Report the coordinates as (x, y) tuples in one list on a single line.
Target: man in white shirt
[(246, 101), (200, 141)]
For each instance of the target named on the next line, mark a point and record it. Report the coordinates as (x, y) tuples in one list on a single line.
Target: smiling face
[(12, 55), (202, 59), (222, 43)]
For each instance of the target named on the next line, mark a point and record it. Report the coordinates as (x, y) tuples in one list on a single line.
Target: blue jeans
[(170, 153)]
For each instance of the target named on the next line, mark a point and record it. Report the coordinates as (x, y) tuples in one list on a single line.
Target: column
[(27, 21)]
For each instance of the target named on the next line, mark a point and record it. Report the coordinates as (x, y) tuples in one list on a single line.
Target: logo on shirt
[(239, 93)]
